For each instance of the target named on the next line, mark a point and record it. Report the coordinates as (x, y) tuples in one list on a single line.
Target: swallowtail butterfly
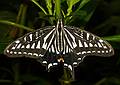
[(54, 44)]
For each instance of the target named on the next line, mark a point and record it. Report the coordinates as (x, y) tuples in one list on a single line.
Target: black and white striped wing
[(85, 43), (68, 43), (31, 45)]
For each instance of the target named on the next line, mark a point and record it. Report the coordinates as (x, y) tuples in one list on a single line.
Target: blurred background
[(100, 17)]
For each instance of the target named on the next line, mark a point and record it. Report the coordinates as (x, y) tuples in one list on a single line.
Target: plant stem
[(21, 17), (57, 9), (66, 78), (16, 25), (16, 74), (22, 14)]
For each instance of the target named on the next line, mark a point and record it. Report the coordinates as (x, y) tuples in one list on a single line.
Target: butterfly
[(53, 44)]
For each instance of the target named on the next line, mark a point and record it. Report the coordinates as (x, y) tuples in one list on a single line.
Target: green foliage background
[(17, 17)]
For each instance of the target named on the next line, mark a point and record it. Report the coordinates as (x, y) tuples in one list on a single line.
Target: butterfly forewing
[(29, 45), (86, 43)]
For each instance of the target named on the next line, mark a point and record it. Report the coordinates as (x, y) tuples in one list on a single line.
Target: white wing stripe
[(19, 46), (88, 36), (68, 41), (30, 37), (28, 46), (45, 38), (99, 45), (38, 45), (73, 38), (85, 44), (14, 46), (23, 46), (45, 46), (52, 47), (90, 44), (66, 48), (33, 46), (80, 43), (17, 41), (50, 41)]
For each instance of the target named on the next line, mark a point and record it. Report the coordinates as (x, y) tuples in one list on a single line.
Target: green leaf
[(88, 16), (83, 13), (49, 6), (15, 24), (83, 3), (36, 3), (70, 4), (108, 23), (58, 9), (113, 38), (109, 81)]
